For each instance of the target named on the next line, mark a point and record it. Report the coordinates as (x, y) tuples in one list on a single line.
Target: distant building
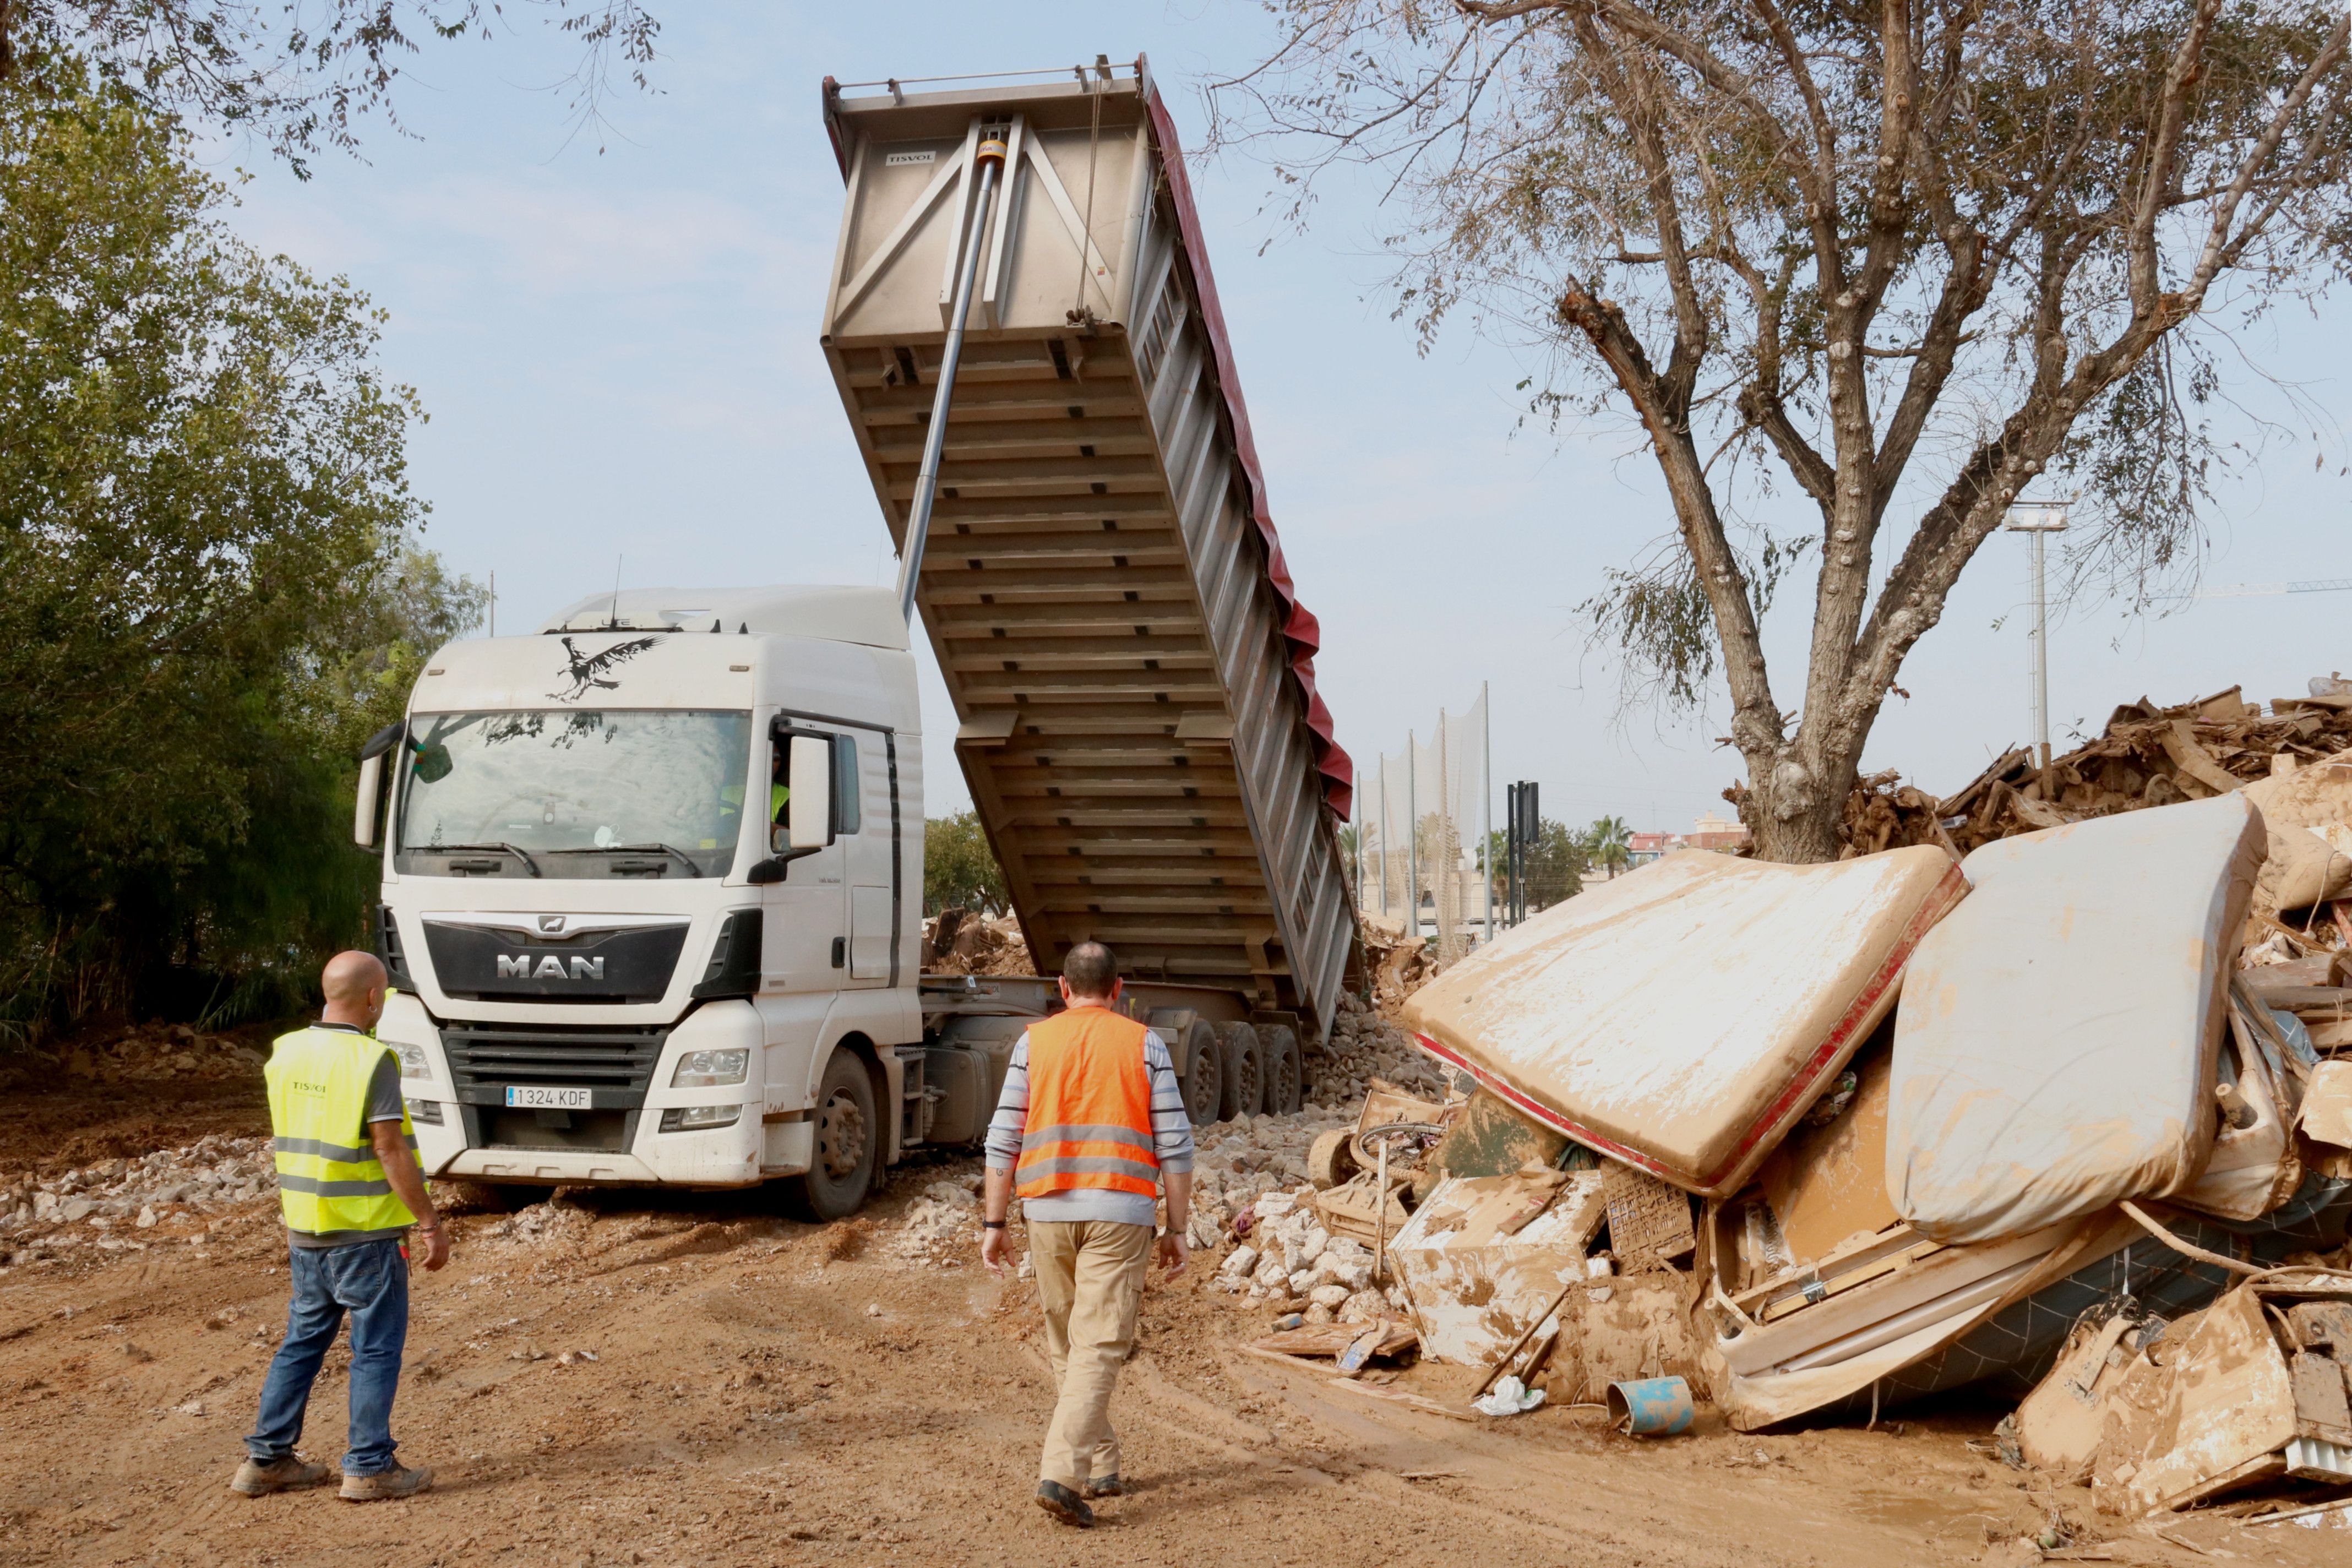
[(1720, 834)]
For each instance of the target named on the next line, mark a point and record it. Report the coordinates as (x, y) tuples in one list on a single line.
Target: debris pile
[(942, 1229), (2146, 756), (159, 1050), (207, 1178), (1395, 964), (1814, 1140), (958, 941)]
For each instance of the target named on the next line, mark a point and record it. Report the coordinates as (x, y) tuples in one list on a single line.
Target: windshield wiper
[(693, 866), (516, 850)]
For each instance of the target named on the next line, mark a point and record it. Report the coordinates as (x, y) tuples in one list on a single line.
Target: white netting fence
[(1421, 813)]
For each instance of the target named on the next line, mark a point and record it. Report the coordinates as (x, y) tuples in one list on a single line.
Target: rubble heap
[(958, 942), (1364, 1046), (2146, 756), (158, 1050), (1287, 1258), (206, 1178)]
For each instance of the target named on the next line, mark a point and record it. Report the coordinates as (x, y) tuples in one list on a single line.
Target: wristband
[(991, 1224)]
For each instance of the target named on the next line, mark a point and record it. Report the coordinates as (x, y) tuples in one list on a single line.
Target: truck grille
[(617, 1064)]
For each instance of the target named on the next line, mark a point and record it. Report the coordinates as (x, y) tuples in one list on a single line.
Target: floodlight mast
[(2040, 519)]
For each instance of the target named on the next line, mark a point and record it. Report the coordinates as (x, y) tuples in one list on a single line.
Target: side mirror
[(810, 776), (364, 809)]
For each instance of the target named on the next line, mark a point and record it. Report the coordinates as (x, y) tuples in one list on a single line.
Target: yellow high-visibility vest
[(328, 1178)]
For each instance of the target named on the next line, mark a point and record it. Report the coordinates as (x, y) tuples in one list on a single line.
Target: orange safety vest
[(1090, 1107)]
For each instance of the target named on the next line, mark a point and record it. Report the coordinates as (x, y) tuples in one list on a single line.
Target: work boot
[(393, 1482), (284, 1473), (1064, 1504), (1104, 1486)]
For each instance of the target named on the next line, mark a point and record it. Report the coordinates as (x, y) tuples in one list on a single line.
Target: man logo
[(518, 966), (550, 925)]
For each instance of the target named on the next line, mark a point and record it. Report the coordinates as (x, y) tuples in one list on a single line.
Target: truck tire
[(1204, 1078), (1284, 1069), (1244, 1091), (848, 1143)]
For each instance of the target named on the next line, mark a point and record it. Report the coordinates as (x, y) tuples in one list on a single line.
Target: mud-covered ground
[(762, 1392)]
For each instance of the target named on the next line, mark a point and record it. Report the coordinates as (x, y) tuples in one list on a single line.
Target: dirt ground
[(769, 1392)]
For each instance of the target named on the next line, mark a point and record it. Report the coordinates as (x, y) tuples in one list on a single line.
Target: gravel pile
[(942, 1229), (1364, 1046), (207, 1178)]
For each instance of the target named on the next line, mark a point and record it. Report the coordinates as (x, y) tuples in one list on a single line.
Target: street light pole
[(2040, 519)]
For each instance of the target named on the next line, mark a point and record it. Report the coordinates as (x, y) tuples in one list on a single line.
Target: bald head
[(1091, 972), (354, 982)]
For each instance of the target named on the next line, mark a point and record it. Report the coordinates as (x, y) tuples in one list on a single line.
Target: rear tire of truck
[(1245, 1089), (848, 1144), (1203, 1080), (1284, 1069)]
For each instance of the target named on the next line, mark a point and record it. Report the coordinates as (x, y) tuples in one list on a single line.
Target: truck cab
[(652, 893)]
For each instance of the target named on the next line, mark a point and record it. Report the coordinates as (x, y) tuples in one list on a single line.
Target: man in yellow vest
[(1090, 1126), (350, 1189)]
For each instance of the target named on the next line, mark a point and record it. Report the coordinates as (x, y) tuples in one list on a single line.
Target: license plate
[(532, 1098)]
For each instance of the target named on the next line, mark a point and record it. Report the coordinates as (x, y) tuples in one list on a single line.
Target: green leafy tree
[(208, 585), (302, 75), (959, 871), (1555, 864)]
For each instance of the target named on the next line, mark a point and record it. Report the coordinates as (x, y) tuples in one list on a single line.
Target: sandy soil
[(769, 1392)]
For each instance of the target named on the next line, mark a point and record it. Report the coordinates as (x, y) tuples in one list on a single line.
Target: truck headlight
[(698, 1118), (706, 1069), (412, 1062)]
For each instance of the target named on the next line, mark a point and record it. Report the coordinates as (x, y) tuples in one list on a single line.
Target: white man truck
[(652, 874)]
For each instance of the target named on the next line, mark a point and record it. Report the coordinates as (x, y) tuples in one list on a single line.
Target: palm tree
[(1610, 841)]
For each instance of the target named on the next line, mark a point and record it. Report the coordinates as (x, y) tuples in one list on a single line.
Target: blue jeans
[(370, 1281)]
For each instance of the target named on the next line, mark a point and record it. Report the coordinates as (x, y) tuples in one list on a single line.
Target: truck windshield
[(599, 793)]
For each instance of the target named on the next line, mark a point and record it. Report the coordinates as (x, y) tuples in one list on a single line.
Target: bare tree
[(300, 74), (1932, 250)]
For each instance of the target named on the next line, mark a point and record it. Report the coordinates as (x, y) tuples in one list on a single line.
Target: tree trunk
[(1794, 800)]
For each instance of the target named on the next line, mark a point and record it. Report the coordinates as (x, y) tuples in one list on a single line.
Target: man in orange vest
[(1090, 1125)]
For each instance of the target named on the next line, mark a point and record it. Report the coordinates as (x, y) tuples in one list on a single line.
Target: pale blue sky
[(619, 356)]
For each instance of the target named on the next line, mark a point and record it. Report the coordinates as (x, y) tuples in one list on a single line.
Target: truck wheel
[(1284, 1069), (1245, 1089), (1203, 1080), (848, 1143)]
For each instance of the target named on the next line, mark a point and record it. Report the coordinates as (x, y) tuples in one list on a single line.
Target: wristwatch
[(991, 1224)]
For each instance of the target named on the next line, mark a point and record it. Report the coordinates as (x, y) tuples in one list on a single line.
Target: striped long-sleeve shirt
[(1172, 1140)]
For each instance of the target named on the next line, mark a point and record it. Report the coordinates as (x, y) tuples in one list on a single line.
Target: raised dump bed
[(1132, 672)]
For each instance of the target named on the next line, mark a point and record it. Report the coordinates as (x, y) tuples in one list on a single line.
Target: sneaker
[(1064, 1504), (1104, 1486), (393, 1482), (284, 1473)]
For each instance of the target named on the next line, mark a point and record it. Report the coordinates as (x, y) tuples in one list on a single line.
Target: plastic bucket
[(1651, 1407)]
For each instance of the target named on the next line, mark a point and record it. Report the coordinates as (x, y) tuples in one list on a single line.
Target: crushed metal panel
[(2229, 1403)]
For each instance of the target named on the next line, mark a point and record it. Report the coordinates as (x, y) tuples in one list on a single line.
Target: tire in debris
[(1332, 1159), (1244, 1092), (1204, 1078), (1284, 1068), (848, 1144)]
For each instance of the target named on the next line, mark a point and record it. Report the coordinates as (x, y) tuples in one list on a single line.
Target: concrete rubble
[(170, 1194)]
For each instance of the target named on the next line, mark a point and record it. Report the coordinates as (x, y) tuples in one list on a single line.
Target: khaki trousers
[(1090, 1280)]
